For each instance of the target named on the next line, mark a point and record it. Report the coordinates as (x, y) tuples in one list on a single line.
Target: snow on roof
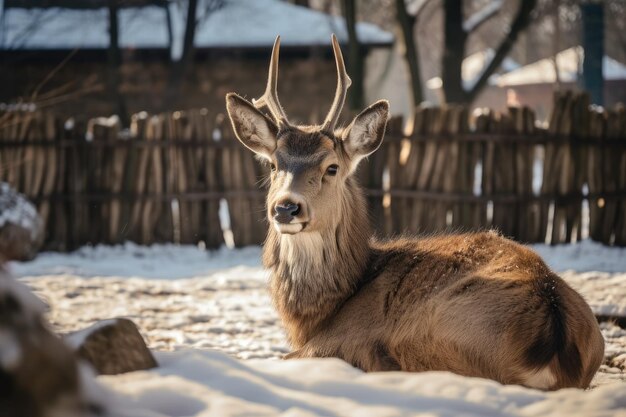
[(473, 66), (570, 66), (258, 22), (54, 28), (238, 23)]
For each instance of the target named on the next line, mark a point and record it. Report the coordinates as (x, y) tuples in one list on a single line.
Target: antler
[(270, 97), (343, 83)]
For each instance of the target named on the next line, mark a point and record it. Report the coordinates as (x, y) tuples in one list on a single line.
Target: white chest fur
[(302, 254)]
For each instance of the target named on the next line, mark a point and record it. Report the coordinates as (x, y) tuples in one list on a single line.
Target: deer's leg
[(374, 359), (296, 354)]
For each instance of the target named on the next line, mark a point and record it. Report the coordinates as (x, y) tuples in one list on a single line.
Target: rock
[(21, 229), (39, 374), (112, 347)]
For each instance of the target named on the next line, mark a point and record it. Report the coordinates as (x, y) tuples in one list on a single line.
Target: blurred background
[(506, 113), (100, 57)]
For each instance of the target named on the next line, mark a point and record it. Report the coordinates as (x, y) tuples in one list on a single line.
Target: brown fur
[(476, 304)]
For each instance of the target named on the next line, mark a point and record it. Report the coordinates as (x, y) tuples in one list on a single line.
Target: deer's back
[(475, 304)]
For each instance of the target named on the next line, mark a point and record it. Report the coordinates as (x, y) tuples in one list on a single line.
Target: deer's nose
[(285, 211)]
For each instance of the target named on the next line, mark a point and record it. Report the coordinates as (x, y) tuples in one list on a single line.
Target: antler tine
[(343, 83), (270, 96)]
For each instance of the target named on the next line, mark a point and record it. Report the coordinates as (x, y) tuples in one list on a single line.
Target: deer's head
[(310, 164)]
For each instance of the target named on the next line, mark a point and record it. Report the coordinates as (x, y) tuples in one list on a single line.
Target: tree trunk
[(520, 23), (190, 33), (454, 52), (170, 30), (180, 67), (411, 53), (113, 64), (593, 44), (556, 42), (355, 58)]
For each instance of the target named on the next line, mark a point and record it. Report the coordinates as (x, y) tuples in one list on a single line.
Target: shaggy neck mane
[(314, 273)]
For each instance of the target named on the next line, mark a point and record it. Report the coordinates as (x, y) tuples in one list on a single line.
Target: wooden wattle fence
[(167, 178)]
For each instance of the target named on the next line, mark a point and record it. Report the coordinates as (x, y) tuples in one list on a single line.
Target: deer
[(475, 304)]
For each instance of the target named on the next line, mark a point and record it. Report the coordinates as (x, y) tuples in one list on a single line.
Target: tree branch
[(407, 23), (179, 68), (454, 42), (114, 62), (190, 32), (170, 30), (476, 20), (521, 21)]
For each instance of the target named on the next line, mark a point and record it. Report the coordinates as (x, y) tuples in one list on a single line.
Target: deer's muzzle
[(285, 212), (289, 215)]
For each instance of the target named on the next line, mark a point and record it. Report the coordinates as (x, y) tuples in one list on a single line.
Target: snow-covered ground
[(218, 339), (212, 384)]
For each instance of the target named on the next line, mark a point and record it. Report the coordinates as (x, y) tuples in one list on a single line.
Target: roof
[(570, 66), (258, 22), (237, 23), (473, 66), (68, 29)]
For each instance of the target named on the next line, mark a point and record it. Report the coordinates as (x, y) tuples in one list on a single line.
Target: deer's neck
[(314, 273)]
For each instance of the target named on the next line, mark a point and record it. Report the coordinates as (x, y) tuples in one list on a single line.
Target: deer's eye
[(332, 170)]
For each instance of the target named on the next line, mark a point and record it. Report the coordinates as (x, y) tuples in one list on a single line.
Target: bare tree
[(114, 62), (180, 66), (593, 44), (355, 58), (408, 22), (190, 34), (556, 41), (456, 32)]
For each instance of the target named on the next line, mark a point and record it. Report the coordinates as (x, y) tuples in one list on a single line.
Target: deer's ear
[(255, 130), (365, 134)]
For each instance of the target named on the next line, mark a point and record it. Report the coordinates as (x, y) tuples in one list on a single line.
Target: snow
[(31, 304), (570, 66), (209, 319), (258, 22), (227, 310), (17, 210), (478, 18), (605, 293), (414, 7), (473, 66), (77, 339), (164, 261), (56, 28), (584, 256), (241, 23), (194, 383)]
